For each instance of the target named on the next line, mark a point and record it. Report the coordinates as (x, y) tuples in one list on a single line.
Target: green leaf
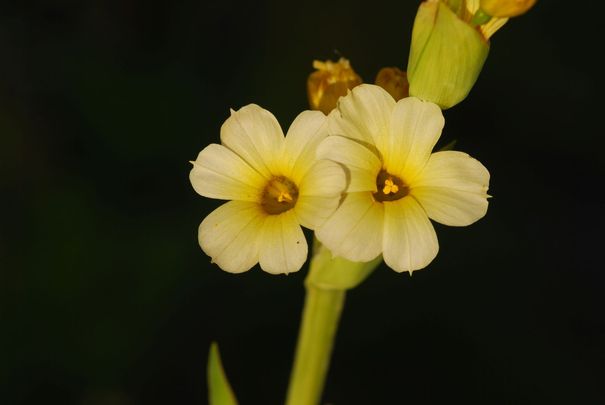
[(219, 390)]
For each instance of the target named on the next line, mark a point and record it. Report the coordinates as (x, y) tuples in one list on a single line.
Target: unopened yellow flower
[(396, 183), (276, 185), (489, 28), (506, 8)]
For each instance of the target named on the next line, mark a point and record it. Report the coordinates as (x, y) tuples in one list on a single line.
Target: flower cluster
[(359, 171), (364, 178)]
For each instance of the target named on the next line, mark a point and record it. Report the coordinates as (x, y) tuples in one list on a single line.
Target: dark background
[(106, 297)]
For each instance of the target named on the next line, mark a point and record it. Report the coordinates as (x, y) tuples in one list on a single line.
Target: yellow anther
[(284, 197), (390, 186), (279, 195)]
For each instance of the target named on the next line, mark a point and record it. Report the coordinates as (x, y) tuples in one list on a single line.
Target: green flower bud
[(446, 56)]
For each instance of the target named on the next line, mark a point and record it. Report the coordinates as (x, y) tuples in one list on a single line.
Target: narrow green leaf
[(219, 390)]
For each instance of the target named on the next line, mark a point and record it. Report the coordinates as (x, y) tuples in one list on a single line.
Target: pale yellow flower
[(396, 183), (276, 185)]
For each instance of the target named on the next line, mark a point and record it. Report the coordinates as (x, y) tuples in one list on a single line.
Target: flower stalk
[(321, 315), (326, 285)]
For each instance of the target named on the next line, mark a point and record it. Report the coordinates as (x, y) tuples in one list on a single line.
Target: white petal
[(337, 125), (367, 109), (452, 188), (229, 235), (415, 128), (319, 193), (354, 231), (219, 173), (254, 134), (325, 178), (304, 135), (410, 242), (362, 164), (283, 247)]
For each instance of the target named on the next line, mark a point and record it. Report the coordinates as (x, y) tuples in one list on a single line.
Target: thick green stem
[(326, 285), (315, 341)]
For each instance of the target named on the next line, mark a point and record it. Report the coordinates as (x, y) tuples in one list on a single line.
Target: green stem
[(326, 285), (315, 341)]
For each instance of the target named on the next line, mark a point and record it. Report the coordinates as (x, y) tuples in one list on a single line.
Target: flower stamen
[(279, 195), (390, 188), (284, 197)]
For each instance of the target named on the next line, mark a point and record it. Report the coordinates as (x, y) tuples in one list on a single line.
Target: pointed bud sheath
[(329, 82), (446, 56), (506, 8), (394, 81)]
